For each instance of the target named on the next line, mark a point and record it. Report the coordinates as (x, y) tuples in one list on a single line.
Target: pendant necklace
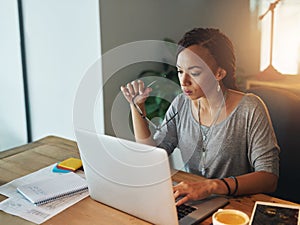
[(206, 133)]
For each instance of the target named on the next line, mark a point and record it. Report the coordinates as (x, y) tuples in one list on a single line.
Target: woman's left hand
[(193, 190)]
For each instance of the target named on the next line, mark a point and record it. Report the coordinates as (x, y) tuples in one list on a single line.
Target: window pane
[(286, 42)]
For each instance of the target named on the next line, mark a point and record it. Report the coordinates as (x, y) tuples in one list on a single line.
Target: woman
[(223, 134)]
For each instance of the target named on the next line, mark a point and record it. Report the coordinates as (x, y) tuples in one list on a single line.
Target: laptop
[(136, 179)]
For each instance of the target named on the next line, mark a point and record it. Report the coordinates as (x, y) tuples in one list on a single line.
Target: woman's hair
[(219, 46)]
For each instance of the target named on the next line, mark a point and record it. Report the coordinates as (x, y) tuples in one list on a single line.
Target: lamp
[(270, 73)]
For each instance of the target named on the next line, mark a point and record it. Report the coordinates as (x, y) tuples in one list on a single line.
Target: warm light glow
[(286, 45)]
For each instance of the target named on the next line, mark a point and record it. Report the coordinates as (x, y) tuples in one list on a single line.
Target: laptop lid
[(134, 178)]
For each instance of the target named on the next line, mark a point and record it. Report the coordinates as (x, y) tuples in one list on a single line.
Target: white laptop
[(135, 178)]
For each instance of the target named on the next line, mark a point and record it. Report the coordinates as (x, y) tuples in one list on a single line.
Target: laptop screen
[(128, 176)]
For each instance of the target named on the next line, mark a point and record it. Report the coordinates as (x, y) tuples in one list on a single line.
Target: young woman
[(223, 134)]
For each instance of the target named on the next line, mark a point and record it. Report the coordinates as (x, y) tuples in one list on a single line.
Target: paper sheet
[(17, 205)]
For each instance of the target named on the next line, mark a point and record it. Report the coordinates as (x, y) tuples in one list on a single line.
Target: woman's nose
[(185, 79)]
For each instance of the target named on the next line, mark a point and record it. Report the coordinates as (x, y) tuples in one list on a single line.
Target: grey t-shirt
[(244, 142)]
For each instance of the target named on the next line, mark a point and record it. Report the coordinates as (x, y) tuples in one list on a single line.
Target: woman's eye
[(179, 71), (194, 74)]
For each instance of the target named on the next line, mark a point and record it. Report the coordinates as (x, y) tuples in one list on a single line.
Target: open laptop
[(135, 178)]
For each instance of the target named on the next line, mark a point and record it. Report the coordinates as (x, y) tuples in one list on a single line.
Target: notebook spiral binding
[(60, 196)]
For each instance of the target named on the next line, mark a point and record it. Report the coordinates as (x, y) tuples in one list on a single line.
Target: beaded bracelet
[(236, 185), (228, 188)]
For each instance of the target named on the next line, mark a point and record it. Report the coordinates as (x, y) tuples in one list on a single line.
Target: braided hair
[(219, 46)]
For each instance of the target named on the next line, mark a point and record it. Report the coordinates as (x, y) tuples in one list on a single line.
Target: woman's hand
[(136, 94), (136, 91), (193, 190)]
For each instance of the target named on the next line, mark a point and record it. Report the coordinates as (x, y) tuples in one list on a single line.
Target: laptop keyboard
[(184, 210)]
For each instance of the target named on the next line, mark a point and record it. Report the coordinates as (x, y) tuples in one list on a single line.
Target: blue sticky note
[(58, 170)]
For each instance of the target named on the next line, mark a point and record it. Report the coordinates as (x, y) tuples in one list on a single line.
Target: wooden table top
[(28, 158)]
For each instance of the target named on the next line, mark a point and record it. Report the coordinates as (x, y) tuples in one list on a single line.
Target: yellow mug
[(230, 217)]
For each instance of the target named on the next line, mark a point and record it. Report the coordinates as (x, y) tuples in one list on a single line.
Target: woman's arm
[(256, 182), (251, 183), (141, 129), (136, 91)]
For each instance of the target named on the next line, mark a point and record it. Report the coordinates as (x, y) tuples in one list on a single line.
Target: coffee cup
[(230, 217)]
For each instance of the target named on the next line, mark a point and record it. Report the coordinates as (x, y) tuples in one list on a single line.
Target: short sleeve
[(264, 150), (166, 137)]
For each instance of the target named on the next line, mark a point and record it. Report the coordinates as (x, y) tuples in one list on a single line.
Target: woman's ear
[(220, 74)]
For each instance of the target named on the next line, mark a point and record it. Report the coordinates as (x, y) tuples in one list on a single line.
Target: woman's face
[(195, 65)]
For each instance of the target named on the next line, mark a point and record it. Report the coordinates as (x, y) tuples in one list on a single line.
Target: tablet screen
[(267, 213)]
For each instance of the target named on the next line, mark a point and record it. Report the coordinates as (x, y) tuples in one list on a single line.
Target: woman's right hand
[(136, 91)]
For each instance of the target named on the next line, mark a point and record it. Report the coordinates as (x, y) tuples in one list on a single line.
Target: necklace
[(206, 133)]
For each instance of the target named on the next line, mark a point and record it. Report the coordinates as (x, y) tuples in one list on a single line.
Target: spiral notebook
[(44, 191)]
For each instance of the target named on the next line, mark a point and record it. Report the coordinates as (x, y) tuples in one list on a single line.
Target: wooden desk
[(52, 149)]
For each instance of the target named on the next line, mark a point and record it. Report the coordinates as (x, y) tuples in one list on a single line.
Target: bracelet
[(236, 185), (228, 188)]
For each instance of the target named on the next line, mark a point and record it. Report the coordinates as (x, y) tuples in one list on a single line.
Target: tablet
[(269, 213)]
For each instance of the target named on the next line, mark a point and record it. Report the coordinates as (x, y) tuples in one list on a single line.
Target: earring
[(218, 88)]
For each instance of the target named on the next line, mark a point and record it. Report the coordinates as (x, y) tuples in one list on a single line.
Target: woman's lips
[(187, 92)]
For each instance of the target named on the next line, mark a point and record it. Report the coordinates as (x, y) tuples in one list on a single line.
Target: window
[(286, 35)]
